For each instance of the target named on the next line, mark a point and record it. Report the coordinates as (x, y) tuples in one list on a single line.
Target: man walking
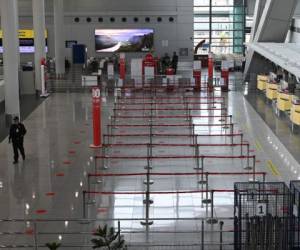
[(175, 62), (16, 136)]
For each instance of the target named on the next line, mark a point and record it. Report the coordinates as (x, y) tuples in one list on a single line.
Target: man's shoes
[(15, 162)]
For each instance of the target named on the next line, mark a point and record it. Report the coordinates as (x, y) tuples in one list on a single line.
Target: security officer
[(16, 136)]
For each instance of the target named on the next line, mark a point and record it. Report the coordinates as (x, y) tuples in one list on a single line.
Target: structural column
[(38, 10), (59, 37), (11, 56)]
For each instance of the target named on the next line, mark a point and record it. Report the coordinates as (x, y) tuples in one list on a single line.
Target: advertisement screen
[(124, 40), (26, 41)]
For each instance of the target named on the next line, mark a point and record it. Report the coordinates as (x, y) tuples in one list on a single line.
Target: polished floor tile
[(49, 185)]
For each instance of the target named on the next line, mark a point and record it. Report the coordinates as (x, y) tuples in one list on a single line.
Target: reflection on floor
[(280, 125), (27, 104), (50, 184)]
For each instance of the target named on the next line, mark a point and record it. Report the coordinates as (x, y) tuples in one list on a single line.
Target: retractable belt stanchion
[(248, 167), (221, 234), (212, 220)]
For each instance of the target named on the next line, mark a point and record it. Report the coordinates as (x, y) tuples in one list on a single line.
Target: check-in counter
[(271, 91), (295, 112), (284, 101), (262, 82)]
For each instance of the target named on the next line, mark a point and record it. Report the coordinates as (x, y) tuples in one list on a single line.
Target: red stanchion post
[(96, 94), (210, 73), (225, 76)]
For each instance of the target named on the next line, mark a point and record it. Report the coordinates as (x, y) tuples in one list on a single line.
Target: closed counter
[(262, 82), (284, 101), (271, 91), (295, 113)]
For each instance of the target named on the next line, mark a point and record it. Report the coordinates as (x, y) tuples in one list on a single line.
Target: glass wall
[(221, 23)]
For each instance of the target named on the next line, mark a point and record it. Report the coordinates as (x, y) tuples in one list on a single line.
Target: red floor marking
[(76, 142), (41, 211), (29, 231), (258, 161), (122, 131), (72, 152), (60, 174), (50, 194), (67, 162), (161, 142), (102, 210), (119, 142), (252, 151)]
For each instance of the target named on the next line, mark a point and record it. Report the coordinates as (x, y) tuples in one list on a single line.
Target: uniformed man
[(16, 136)]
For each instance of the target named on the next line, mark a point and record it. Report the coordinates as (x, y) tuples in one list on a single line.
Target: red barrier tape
[(161, 192), (173, 145), (173, 116), (175, 157), (170, 87), (176, 174), (169, 109), (173, 103), (173, 135), (167, 125), (172, 98)]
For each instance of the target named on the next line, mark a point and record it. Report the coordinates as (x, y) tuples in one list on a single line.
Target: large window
[(221, 23)]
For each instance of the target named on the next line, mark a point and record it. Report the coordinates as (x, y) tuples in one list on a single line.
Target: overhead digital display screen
[(124, 40)]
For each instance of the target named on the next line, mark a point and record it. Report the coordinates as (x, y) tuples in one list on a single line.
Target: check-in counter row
[(285, 101)]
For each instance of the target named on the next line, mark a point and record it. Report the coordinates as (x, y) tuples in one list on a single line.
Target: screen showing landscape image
[(124, 40)]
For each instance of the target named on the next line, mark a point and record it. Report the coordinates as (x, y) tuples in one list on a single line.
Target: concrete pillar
[(11, 56), (59, 37), (38, 10)]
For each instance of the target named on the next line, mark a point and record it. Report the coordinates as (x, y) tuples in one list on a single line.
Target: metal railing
[(77, 233)]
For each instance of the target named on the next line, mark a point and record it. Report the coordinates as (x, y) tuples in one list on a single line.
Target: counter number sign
[(96, 93)]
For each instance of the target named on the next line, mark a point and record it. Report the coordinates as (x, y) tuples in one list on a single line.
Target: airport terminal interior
[(150, 124)]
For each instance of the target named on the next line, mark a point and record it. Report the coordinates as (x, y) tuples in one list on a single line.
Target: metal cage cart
[(262, 216)]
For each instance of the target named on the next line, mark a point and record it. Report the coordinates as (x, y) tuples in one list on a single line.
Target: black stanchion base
[(84, 222), (196, 168), (222, 120), (147, 223), (206, 201), (151, 182), (98, 182), (225, 127), (247, 168), (202, 182), (211, 221), (255, 180), (149, 202), (91, 202), (148, 167)]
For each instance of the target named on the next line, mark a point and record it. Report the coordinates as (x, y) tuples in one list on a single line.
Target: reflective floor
[(60, 165), (27, 104)]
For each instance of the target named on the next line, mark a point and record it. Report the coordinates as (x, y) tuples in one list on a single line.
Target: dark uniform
[(175, 62), (16, 136)]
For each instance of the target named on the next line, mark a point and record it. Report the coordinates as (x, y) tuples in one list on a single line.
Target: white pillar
[(59, 37), (11, 55), (38, 10)]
